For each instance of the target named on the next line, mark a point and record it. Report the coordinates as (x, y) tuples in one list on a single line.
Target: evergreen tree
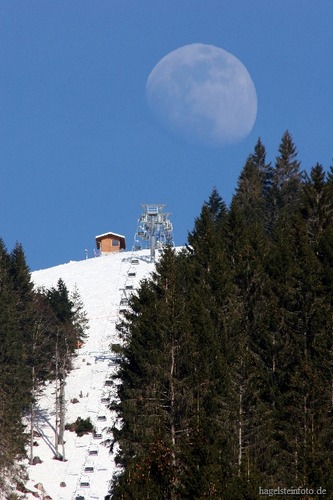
[(20, 273), (39, 332), (301, 357), (284, 195), (80, 318), (258, 158), (20, 277), (317, 203), (249, 325), (173, 382), (226, 370), (254, 184), (67, 335), (14, 388), (205, 239), (208, 246), (71, 317)]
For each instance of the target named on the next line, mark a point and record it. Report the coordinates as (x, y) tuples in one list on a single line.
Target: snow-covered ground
[(102, 283)]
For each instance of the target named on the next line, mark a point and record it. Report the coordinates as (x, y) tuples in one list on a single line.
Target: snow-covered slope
[(102, 283)]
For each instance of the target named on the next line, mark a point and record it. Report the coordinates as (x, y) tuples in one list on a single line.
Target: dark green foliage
[(81, 426), (254, 184), (36, 326), (16, 301), (317, 203), (60, 302), (69, 327), (284, 195), (226, 367), (172, 401), (79, 316)]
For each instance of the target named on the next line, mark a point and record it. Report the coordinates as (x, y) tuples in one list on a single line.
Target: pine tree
[(205, 238), (20, 277), (80, 318), (254, 183), (208, 246), (172, 390), (14, 378), (302, 347), (258, 158), (39, 332), (68, 333), (317, 203), (20, 272), (284, 195), (148, 399), (226, 370), (248, 324)]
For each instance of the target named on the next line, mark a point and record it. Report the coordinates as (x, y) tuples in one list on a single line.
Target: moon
[(203, 94)]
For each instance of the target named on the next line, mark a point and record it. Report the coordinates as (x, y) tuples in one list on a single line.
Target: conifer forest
[(39, 332), (226, 365), (227, 370)]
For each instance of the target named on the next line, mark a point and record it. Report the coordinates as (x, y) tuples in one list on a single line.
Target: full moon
[(204, 94)]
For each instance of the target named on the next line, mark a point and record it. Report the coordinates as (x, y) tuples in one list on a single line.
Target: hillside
[(102, 283)]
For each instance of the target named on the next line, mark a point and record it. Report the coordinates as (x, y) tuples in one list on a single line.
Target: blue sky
[(80, 148)]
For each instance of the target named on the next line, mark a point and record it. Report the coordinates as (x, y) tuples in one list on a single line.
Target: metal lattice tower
[(154, 229)]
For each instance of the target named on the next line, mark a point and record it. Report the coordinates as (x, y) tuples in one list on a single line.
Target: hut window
[(115, 243)]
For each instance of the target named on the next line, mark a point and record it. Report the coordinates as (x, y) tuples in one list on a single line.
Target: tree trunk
[(56, 436), (172, 406), (62, 413), (174, 480), (32, 416), (240, 429)]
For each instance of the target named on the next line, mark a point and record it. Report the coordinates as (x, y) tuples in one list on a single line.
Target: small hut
[(110, 242)]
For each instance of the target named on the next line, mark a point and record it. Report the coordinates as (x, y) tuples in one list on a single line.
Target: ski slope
[(103, 283)]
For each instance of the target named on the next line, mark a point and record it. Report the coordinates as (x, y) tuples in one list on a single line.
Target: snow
[(88, 467), (110, 234)]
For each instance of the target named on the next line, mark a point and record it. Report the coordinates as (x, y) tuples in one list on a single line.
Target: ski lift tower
[(154, 230)]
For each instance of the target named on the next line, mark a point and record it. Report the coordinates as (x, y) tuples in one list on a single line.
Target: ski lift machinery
[(155, 230)]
